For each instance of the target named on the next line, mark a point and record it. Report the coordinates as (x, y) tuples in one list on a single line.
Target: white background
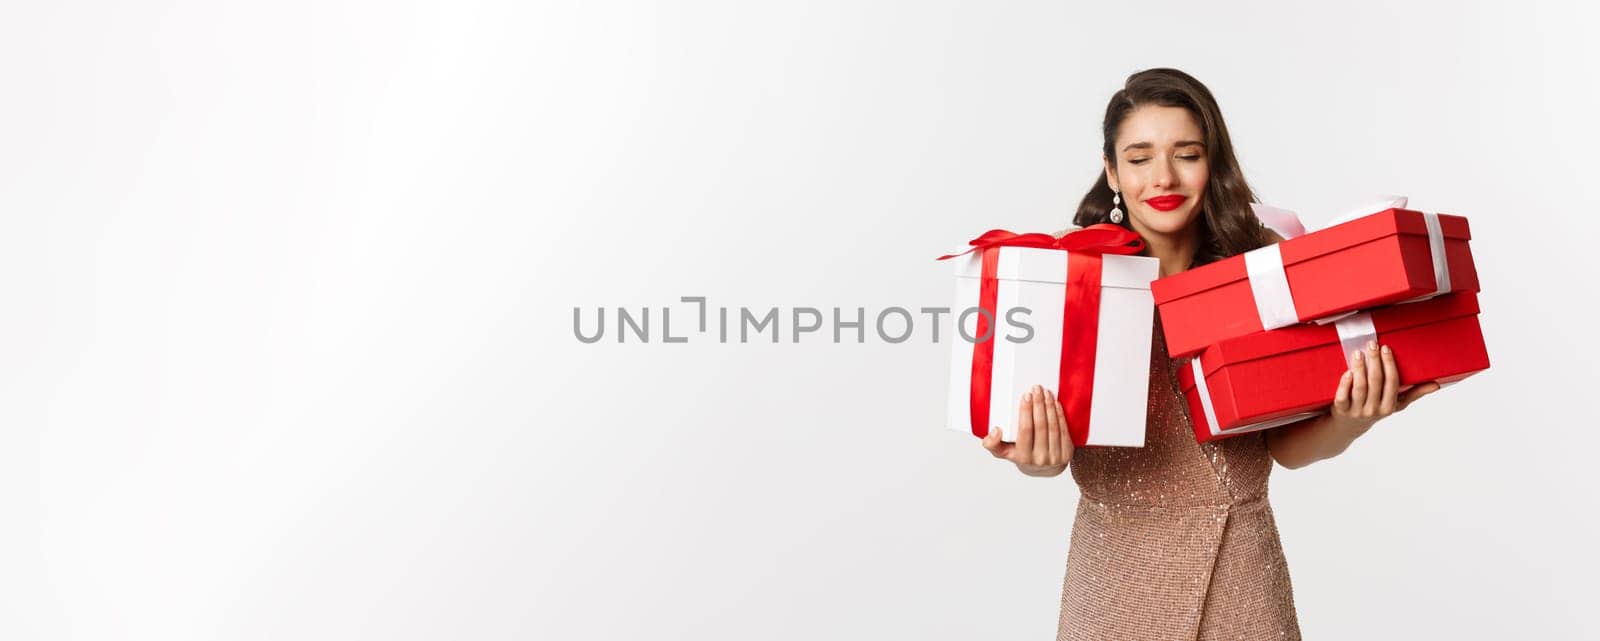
[(288, 291)]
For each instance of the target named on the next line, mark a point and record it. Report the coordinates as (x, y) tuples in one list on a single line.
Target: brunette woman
[(1176, 539)]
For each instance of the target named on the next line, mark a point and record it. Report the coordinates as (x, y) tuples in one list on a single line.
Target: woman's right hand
[(1043, 447)]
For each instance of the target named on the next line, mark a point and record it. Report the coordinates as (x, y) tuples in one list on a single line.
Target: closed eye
[(1140, 161)]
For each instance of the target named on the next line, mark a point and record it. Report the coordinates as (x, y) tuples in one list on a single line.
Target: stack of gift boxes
[(1271, 331), (1268, 333)]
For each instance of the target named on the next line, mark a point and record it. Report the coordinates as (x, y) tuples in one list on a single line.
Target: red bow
[(1101, 238)]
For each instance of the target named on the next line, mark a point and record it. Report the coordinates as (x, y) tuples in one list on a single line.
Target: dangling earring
[(1116, 214)]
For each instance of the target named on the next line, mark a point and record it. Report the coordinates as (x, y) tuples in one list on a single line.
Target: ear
[(1111, 173)]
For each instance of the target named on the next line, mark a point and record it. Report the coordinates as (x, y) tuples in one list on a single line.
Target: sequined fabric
[(1175, 540)]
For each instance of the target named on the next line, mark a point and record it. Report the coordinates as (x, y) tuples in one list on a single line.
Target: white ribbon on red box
[(1355, 331), (1269, 283)]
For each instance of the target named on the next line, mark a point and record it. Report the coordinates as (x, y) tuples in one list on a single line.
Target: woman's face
[(1161, 169)]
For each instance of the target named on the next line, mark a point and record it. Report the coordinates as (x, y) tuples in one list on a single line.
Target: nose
[(1164, 175)]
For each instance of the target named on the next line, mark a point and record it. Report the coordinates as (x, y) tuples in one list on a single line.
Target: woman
[(1176, 540)]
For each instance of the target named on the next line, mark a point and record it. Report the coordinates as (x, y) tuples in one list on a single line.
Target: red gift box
[(1284, 375), (1391, 256)]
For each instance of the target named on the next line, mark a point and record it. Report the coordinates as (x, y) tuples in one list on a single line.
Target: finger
[(1053, 425), (1024, 444), (1374, 367), (1341, 397), (1358, 384), (1418, 392), (1041, 421), (991, 441), (1391, 383), (997, 447), (1066, 434)]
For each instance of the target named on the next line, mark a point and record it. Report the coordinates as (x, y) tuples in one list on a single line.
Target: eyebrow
[(1181, 143)]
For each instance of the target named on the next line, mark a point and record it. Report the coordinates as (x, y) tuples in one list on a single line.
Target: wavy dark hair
[(1227, 224)]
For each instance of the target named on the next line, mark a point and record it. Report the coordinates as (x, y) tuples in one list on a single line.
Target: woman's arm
[(1367, 392), (1300, 444)]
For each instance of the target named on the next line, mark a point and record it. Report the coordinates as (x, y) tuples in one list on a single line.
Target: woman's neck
[(1176, 251)]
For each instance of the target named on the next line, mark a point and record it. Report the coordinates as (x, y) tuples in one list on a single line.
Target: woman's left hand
[(1370, 389)]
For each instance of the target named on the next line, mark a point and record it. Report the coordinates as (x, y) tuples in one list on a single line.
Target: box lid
[(1306, 336), (1388, 222), (1035, 264)]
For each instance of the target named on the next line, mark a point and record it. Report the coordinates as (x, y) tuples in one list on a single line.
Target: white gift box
[(1038, 279)]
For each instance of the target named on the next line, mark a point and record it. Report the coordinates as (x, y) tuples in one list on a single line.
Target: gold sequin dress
[(1175, 540)]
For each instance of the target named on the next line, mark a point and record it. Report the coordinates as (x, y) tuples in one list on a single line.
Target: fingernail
[(1355, 357), (1386, 351), (1372, 346)]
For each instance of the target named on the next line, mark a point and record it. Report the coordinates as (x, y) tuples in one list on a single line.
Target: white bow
[(1288, 225)]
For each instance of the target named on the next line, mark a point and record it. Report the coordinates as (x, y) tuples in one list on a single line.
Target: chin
[(1167, 223)]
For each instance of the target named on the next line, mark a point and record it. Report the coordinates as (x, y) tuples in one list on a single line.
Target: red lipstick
[(1165, 203)]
